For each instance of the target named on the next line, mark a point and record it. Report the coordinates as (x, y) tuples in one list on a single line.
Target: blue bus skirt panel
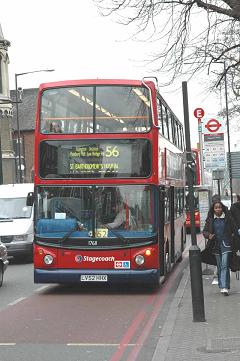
[(114, 276)]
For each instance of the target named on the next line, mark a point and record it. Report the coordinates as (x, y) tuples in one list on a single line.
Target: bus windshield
[(95, 109), (93, 211)]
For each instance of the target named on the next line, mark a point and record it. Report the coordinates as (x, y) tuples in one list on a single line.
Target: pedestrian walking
[(215, 198), (220, 231)]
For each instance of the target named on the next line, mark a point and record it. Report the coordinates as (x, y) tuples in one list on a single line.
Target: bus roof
[(95, 82), (15, 190)]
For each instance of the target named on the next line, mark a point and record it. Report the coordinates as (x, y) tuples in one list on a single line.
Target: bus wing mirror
[(30, 199)]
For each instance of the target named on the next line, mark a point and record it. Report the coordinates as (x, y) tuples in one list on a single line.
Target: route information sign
[(214, 147)]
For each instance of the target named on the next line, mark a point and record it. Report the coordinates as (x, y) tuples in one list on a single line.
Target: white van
[(16, 219)]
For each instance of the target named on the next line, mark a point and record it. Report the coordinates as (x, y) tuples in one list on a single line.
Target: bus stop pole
[(201, 150), (194, 251)]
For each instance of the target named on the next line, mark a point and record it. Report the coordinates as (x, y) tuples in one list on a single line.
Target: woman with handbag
[(220, 230)]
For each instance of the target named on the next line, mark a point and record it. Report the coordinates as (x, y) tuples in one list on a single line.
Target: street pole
[(228, 128), (201, 150), (228, 134), (19, 163), (17, 118), (219, 188), (194, 251)]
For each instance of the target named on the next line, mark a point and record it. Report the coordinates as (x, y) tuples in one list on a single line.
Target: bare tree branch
[(184, 47)]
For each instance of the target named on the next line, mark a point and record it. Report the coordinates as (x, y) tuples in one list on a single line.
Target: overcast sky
[(72, 38)]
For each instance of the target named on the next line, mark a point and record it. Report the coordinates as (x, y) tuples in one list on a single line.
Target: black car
[(3, 261)]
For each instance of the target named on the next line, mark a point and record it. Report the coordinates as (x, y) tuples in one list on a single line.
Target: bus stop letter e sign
[(199, 113)]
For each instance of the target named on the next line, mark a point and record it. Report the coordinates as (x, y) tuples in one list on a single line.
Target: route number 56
[(112, 151)]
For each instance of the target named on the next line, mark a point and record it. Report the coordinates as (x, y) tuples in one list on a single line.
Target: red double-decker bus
[(109, 183)]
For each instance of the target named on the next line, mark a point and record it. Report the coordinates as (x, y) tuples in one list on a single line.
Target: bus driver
[(123, 219), (120, 218)]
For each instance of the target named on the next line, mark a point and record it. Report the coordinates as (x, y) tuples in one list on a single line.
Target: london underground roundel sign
[(213, 125)]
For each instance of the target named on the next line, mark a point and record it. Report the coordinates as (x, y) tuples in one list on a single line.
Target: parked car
[(16, 220), (3, 261)]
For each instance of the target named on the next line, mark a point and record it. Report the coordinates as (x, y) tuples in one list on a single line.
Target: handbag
[(236, 240), (207, 257), (234, 262)]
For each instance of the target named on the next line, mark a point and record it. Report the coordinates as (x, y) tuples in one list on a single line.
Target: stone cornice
[(4, 44), (6, 111)]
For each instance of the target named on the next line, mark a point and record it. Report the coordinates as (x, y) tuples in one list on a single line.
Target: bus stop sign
[(198, 113)]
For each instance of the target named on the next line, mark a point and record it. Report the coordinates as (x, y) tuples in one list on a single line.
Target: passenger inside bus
[(55, 127)]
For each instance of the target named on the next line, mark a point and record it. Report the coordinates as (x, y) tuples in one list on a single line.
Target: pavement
[(216, 338)]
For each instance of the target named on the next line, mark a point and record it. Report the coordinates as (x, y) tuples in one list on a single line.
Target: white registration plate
[(94, 278)]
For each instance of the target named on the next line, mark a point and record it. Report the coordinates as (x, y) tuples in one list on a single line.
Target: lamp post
[(228, 128), (17, 118), (194, 251), (228, 134)]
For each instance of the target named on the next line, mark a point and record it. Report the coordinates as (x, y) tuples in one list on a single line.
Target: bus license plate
[(94, 278)]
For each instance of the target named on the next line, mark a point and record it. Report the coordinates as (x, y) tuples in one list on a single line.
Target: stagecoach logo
[(78, 258), (93, 259)]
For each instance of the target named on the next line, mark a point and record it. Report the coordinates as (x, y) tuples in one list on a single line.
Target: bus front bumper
[(113, 276)]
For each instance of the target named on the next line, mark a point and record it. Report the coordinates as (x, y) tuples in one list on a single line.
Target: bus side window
[(165, 125), (167, 205), (181, 138), (174, 130), (160, 118), (178, 135), (170, 126)]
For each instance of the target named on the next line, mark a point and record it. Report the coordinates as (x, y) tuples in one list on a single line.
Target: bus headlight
[(139, 259), (48, 259)]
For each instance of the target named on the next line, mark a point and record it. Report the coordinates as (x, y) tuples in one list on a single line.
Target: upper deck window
[(95, 109)]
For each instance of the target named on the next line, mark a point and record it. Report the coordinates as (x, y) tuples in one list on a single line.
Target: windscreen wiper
[(79, 226), (116, 233)]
